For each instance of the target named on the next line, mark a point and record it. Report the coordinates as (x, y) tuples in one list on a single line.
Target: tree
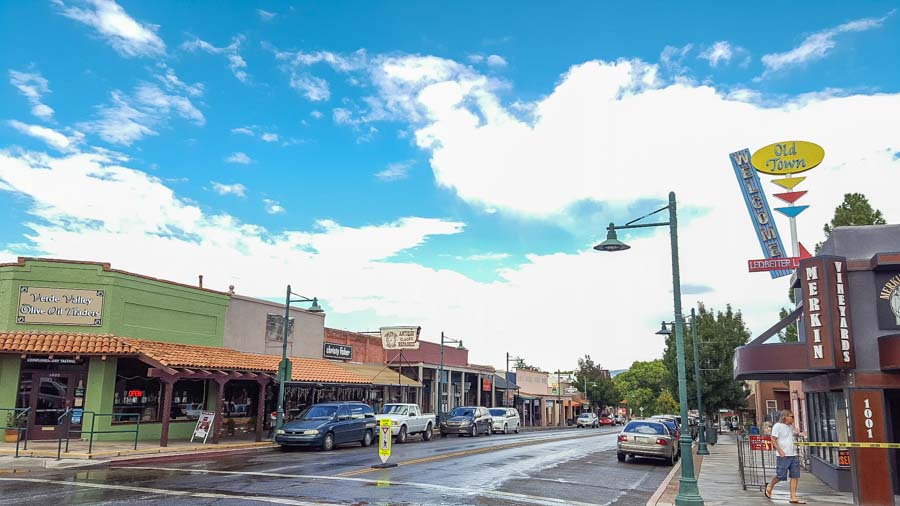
[(640, 385), (854, 210), (600, 389), (718, 334), (665, 403), (789, 333)]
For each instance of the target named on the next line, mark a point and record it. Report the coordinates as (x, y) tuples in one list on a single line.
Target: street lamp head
[(612, 243), (315, 308), (460, 345), (664, 330)]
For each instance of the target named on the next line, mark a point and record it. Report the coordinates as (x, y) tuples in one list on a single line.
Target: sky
[(443, 164)]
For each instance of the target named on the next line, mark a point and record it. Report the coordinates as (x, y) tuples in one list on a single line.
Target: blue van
[(328, 424)]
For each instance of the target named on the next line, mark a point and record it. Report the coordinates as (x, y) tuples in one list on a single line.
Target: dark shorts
[(787, 465)]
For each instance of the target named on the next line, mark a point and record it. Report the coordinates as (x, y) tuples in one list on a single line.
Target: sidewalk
[(720, 483)]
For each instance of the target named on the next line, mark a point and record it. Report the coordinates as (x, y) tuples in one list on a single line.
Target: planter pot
[(11, 436)]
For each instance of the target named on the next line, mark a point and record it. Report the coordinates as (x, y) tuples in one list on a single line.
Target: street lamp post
[(441, 374), (688, 492), (284, 364), (506, 380)]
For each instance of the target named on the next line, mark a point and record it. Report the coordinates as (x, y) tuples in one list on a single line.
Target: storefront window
[(829, 422), (135, 393), (188, 399)]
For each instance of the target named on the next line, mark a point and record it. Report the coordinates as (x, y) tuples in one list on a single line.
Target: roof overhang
[(778, 361)]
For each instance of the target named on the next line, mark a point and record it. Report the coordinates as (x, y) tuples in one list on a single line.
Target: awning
[(500, 383), (378, 374), (527, 397)]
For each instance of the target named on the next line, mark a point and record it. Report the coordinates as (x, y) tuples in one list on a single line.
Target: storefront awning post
[(168, 384)]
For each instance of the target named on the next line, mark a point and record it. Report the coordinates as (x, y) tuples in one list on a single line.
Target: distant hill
[(612, 374)]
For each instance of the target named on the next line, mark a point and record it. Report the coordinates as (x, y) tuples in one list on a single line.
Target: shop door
[(50, 395)]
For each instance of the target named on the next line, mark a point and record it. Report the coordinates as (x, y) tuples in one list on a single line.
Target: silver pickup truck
[(406, 420)]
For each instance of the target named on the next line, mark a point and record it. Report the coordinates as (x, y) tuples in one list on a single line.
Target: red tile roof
[(174, 355)]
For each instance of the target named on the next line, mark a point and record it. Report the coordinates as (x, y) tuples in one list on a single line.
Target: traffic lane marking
[(473, 492), (162, 491), (474, 451)]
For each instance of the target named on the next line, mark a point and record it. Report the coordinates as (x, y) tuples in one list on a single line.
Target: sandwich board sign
[(204, 425), (384, 440)]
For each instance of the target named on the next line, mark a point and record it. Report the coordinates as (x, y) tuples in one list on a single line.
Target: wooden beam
[(164, 372)]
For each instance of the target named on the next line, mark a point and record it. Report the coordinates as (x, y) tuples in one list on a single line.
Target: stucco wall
[(532, 382), (245, 328)]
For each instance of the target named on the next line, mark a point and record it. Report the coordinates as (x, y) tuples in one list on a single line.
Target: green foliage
[(718, 335), (230, 426), (789, 333), (854, 210), (666, 404), (640, 386), (600, 389)]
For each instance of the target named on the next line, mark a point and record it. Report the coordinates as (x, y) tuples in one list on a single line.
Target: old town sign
[(788, 157), (60, 306)]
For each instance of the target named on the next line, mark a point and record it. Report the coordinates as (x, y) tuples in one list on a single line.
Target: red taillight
[(623, 437), (661, 441)]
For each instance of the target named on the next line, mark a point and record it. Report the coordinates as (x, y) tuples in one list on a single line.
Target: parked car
[(647, 438), (504, 420), (328, 424), (587, 420), (406, 420), (607, 420), (673, 428), (470, 420)]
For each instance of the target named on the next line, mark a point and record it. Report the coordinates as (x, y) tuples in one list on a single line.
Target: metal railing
[(66, 420), (757, 466), (20, 419)]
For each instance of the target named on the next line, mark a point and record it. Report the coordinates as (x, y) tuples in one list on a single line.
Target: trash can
[(712, 436)]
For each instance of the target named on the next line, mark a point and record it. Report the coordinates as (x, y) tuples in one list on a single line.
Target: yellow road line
[(474, 451)]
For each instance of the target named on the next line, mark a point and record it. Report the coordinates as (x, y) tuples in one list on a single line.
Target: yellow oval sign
[(789, 157)]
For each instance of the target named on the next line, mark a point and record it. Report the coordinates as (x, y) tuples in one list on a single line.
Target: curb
[(186, 457), (654, 499)]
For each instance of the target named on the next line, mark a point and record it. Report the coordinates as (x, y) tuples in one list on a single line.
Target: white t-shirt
[(785, 436)]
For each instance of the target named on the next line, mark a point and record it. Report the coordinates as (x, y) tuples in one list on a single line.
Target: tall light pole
[(284, 365), (506, 380), (441, 374), (688, 492)]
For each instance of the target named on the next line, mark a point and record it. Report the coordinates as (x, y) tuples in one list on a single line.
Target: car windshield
[(462, 412), (394, 409), (497, 412), (585, 415), (645, 428), (319, 413)]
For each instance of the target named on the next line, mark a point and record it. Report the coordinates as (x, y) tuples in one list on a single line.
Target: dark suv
[(471, 420), (330, 423)]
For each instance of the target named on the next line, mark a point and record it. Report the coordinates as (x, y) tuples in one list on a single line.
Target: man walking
[(786, 463)]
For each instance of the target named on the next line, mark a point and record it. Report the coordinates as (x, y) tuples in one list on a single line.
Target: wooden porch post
[(168, 384), (261, 406), (220, 403)]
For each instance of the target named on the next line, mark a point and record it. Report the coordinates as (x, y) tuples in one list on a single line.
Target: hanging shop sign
[(55, 360), (758, 207), (337, 351), (60, 306), (788, 157), (204, 426), (775, 264), (829, 334), (888, 300), (400, 338)]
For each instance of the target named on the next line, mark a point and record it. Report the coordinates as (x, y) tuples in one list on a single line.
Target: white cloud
[(719, 52), (273, 207), (174, 84), (266, 15), (129, 119), (126, 35), (396, 171), (53, 138), (316, 114), (818, 45), (236, 189), (33, 86), (475, 58), (236, 62), (269, 137), (482, 257), (313, 88), (496, 60), (244, 131), (240, 158)]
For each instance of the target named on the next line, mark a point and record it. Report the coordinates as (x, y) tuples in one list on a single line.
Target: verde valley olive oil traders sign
[(60, 306)]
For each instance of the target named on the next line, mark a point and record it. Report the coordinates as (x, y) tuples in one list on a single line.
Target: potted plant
[(11, 435), (229, 426)]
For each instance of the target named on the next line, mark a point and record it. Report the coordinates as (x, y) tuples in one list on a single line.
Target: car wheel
[(517, 429), (328, 442), (672, 459), (505, 429), (621, 457), (401, 437), (429, 431), (367, 439), (473, 431)]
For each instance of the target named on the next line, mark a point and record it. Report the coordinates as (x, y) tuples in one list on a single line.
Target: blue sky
[(468, 155)]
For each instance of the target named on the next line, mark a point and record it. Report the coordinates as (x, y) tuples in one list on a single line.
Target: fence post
[(91, 437), (137, 429)]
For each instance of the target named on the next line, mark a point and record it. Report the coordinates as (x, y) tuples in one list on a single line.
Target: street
[(543, 468)]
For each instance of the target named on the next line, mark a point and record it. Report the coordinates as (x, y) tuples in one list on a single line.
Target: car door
[(343, 426), (484, 420), (513, 419), (357, 422)]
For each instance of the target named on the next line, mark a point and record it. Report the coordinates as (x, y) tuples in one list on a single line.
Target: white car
[(587, 420), (407, 419), (504, 420)]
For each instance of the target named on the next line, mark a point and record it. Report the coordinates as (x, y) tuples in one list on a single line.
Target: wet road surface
[(569, 467)]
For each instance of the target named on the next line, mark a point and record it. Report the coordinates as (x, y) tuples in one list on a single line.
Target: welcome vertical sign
[(758, 207)]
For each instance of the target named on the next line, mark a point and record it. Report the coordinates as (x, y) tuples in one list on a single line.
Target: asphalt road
[(570, 467)]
